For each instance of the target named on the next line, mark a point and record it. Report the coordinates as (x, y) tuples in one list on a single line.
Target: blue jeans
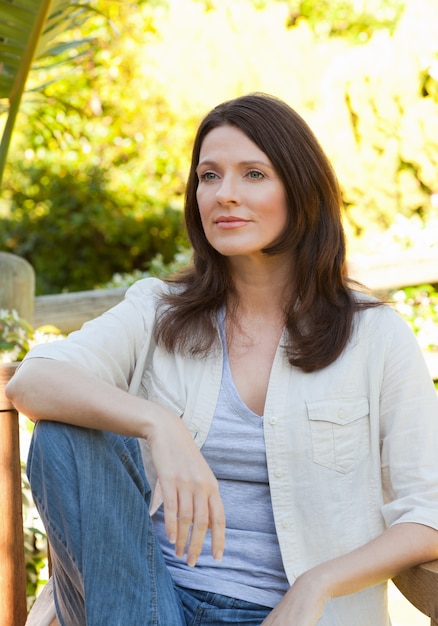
[(108, 569)]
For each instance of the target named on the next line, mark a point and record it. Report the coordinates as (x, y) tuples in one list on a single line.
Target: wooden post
[(17, 288), (420, 586), (17, 285), (13, 609)]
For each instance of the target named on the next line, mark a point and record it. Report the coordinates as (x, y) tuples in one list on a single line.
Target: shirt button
[(273, 421), (278, 473), (341, 413), (285, 524)]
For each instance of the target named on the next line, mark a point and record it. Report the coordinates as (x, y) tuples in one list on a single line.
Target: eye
[(255, 175), (207, 176)]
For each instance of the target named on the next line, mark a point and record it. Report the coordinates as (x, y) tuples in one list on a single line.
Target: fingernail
[(218, 555), (172, 537), (191, 561)]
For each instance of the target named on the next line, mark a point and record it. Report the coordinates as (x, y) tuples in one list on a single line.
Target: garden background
[(95, 175), (93, 188)]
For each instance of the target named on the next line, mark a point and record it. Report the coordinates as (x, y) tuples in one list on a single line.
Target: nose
[(228, 191)]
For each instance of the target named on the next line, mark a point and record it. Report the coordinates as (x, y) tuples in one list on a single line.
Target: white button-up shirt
[(351, 448)]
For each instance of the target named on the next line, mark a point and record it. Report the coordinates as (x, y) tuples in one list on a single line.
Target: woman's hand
[(302, 605), (399, 547), (190, 491)]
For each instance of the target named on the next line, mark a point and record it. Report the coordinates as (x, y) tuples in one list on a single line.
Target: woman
[(286, 422)]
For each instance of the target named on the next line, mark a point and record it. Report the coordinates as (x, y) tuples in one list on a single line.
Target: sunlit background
[(113, 132)]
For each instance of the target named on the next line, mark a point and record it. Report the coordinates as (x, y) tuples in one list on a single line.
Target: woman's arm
[(398, 548), (47, 389)]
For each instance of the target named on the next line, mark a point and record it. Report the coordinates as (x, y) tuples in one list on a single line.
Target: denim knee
[(62, 450), (50, 443)]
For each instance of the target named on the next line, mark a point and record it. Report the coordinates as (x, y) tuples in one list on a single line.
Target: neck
[(261, 286)]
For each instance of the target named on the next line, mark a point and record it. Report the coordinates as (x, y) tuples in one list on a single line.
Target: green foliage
[(117, 128), (29, 31), (77, 233), (157, 267), (419, 307), (99, 189), (15, 336), (344, 18)]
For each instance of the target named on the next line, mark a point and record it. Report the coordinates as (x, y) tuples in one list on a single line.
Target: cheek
[(202, 205), (200, 200)]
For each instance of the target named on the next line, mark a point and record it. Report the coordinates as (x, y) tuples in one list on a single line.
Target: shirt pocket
[(340, 432)]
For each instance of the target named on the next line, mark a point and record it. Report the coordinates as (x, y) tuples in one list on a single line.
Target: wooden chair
[(419, 584)]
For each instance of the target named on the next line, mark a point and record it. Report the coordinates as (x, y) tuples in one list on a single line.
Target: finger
[(170, 508), (199, 528), (217, 526), (184, 522)]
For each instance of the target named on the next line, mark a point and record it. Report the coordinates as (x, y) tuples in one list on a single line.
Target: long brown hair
[(320, 308)]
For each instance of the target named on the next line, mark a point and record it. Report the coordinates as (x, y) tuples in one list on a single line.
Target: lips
[(228, 222)]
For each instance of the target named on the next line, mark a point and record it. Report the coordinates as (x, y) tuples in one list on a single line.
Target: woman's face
[(241, 199)]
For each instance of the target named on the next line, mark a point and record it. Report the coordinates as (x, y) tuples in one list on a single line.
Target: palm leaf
[(29, 31)]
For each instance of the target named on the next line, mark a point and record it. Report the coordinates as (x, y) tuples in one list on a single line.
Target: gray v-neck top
[(251, 568)]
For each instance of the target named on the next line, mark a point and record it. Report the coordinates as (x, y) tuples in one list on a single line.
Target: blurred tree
[(78, 233), (357, 20), (28, 33), (383, 96), (75, 196)]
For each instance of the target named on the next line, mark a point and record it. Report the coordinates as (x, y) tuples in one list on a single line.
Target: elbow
[(15, 393), (17, 386), (427, 543), (12, 389), (33, 387)]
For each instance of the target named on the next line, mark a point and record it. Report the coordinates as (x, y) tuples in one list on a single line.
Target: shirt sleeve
[(408, 429), (112, 345)]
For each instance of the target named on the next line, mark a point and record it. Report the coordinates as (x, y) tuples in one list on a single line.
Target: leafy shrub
[(419, 307), (157, 267), (15, 336), (77, 233)]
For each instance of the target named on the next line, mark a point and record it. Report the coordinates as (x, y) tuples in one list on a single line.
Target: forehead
[(231, 142)]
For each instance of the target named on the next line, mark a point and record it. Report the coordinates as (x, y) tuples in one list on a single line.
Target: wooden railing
[(68, 311)]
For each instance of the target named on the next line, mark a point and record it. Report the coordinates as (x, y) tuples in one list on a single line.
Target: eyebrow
[(245, 163)]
